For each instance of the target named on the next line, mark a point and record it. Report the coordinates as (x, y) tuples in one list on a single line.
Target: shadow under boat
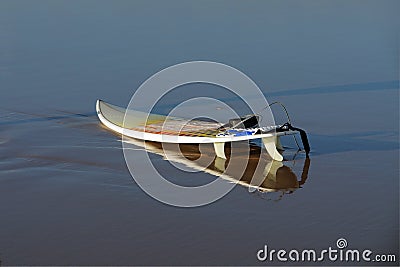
[(249, 167)]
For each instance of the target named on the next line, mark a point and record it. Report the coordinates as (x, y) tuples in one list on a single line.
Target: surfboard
[(167, 129)]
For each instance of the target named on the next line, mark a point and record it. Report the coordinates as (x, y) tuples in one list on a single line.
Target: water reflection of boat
[(260, 173)]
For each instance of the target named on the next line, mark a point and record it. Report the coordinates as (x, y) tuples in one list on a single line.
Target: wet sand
[(68, 198)]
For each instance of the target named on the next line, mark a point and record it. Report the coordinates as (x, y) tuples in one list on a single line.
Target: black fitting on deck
[(304, 139)]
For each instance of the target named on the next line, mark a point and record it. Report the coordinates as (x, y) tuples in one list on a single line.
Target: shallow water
[(66, 195)]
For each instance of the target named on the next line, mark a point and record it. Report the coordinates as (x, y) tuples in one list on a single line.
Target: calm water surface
[(66, 196)]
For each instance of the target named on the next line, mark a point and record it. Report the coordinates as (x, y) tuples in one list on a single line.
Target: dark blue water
[(66, 196)]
